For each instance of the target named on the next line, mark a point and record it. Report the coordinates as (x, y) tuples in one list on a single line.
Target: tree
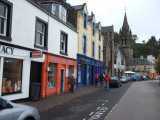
[(157, 64), (116, 37), (135, 38)]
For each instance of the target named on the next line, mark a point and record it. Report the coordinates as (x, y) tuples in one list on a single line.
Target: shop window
[(63, 43), (41, 34), (52, 76), (5, 19), (12, 76)]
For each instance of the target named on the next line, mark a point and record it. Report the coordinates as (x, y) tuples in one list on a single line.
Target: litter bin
[(35, 89)]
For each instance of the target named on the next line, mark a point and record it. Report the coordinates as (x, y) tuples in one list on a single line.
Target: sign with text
[(36, 54)]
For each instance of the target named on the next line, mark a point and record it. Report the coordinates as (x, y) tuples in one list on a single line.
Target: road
[(94, 106), (140, 102)]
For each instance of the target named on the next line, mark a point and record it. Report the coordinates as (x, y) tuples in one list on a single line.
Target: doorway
[(62, 80)]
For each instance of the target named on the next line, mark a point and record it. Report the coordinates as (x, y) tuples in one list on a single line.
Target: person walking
[(72, 83), (101, 80), (96, 79), (107, 79)]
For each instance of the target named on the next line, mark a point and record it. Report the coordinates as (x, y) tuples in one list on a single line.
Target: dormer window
[(59, 11), (63, 14), (55, 10)]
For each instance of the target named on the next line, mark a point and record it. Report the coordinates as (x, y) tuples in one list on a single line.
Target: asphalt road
[(140, 102), (94, 106)]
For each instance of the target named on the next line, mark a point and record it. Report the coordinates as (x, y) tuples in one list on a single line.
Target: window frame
[(8, 29), (93, 49), (84, 44), (65, 51), (44, 45)]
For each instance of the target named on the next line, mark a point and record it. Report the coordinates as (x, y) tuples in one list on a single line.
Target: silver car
[(123, 79), (13, 111)]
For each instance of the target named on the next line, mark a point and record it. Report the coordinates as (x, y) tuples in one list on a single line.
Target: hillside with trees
[(151, 47)]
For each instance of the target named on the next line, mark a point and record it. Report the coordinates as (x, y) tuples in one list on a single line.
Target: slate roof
[(107, 29), (139, 61), (78, 7), (118, 47)]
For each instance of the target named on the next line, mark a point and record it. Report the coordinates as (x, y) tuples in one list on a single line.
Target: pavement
[(140, 102), (59, 99)]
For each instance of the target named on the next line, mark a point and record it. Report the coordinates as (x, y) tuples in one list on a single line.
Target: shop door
[(36, 69), (62, 80)]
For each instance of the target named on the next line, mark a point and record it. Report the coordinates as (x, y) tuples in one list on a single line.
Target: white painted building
[(119, 63), (27, 27)]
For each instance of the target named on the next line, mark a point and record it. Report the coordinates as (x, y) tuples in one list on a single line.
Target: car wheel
[(30, 118)]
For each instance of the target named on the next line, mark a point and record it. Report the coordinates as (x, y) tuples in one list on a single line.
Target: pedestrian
[(101, 80), (96, 79), (107, 79), (72, 83)]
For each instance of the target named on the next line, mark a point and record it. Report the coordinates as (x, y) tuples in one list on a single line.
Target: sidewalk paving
[(55, 100)]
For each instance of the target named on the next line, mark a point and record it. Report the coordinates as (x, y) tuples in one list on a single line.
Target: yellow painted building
[(90, 46)]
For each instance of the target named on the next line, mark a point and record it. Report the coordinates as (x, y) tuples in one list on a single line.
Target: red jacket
[(107, 79), (96, 77)]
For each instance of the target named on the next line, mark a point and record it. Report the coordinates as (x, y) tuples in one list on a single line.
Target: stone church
[(125, 40)]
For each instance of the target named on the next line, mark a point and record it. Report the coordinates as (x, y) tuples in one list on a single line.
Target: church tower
[(125, 34)]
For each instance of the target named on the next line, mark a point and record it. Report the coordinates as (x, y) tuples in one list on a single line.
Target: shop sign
[(36, 54), (6, 49)]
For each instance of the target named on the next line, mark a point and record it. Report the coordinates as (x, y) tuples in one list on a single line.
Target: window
[(52, 76), (63, 43), (93, 49), (99, 35), (55, 10), (12, 76), (41, 34), (5, 19), (63, 14), (93, 32), (99, 52), (85, 21), (84, 44)]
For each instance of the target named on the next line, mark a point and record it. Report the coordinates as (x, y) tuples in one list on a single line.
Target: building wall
[(24, 21), (88, 32)]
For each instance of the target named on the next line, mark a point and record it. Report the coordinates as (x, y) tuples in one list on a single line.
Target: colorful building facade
[(90, 47)]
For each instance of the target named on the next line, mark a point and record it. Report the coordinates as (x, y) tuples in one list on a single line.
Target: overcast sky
[(143, 15)]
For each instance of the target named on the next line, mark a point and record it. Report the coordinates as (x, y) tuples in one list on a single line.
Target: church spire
[(125, 23)]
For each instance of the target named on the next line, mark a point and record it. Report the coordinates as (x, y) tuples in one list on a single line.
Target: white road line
[(91, 113), (107, 101), (98, 108), (84, 118), (103, 104)]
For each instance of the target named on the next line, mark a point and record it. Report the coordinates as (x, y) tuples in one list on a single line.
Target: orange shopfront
[(56, 71)]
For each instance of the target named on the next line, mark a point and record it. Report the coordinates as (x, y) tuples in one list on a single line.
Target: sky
[(143, 15)]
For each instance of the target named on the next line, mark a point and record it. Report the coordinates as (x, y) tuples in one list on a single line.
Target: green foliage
[(157, 65), (150, 48), (134, 38), (116, 37)]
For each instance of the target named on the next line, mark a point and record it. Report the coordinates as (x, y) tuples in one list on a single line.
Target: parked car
[(115, 81), (13, 111), (123, 79), (135, 77), (144, 77)]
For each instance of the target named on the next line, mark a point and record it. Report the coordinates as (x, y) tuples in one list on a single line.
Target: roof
[(78, 7), (139, 61), (107, 29)]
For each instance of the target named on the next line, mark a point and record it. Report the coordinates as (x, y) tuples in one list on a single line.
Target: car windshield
[(113, 78), (122, 76)]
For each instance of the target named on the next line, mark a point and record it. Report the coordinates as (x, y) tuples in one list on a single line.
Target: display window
[(12, 76), (52, 76)]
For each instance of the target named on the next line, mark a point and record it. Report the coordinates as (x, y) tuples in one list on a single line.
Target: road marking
[(107, 101), (103, 104), (91, 113), (84, 118), (98, 108)]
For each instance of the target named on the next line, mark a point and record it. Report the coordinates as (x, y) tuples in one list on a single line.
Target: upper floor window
[(99, 35), (63, 43), (5, 19), (63, 14), (41, 34), (99, 52), (84, 44), (93, 31), (55, 8), (85, 21), (93, 49)]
